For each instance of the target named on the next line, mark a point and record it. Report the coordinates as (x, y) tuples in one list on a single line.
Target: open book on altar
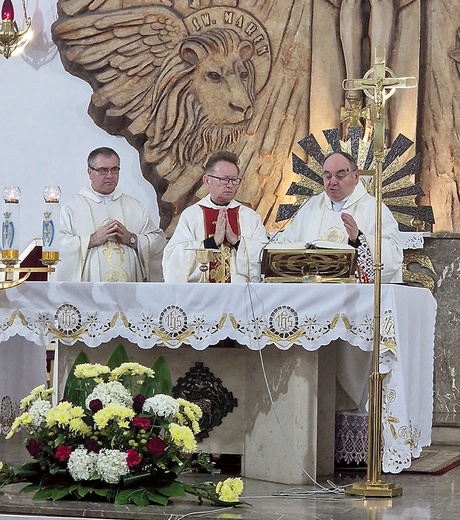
[(318, 261)]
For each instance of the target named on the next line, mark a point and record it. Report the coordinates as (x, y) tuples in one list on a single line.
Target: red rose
[(141, 422), (63, 453), (138, 402), (33, 447), (133, 458), (156, 446), (95, 405)]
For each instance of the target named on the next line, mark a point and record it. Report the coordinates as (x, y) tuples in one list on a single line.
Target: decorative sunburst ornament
[(399, 191)]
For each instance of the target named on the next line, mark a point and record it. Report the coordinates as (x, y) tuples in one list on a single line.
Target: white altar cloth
[(255, 315)]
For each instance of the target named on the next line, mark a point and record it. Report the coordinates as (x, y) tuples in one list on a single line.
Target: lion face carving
[(176, 84), (203, 99)]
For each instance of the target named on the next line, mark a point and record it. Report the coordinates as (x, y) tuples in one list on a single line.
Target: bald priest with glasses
[(345, 213), (106, 235), (220, 223)]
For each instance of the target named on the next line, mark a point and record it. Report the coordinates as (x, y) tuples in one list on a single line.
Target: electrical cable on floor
[(197, 513), (333, 489)]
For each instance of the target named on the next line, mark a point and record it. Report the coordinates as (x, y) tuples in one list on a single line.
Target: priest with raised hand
[(106, 235), (345, 213), (220, 223)]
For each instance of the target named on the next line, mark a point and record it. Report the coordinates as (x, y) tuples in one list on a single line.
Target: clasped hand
[(112, 230), (224, 230)]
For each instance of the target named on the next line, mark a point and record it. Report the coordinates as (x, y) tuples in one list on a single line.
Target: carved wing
[(119, 53)]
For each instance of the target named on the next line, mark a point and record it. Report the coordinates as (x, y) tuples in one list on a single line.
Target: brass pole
[(378, 84)]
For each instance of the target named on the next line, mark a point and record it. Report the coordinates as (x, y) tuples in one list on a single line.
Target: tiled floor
[(424, 497)]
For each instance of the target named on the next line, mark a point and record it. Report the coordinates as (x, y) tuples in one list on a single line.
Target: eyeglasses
[(340, 175), (226, 180), (105, 171)]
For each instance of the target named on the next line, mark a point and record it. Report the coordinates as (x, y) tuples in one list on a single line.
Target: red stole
[(219, 266)]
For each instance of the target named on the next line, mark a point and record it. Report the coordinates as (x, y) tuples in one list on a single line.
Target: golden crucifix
[(378, 87)]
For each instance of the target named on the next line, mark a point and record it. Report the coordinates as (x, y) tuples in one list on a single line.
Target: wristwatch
[(132, 239)]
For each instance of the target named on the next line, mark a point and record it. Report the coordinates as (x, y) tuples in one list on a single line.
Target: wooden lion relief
[(182, 79)]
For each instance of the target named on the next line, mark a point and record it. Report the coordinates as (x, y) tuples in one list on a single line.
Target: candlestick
[(51, 225), (10, 226)]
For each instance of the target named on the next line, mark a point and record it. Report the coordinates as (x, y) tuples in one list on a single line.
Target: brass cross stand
[(378, 87)]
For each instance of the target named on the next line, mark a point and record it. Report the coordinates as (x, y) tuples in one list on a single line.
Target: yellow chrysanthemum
[(112, 411), (183, 437), (39, 392), (79, 426), (23, 420), (77, 411), (63, 414), (90, 370), (191, 410), (230, 489), (130, 369), (195, 427)]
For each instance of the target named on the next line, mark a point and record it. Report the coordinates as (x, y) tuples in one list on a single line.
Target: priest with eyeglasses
[(344, 213), (106, 235), (218, 222)]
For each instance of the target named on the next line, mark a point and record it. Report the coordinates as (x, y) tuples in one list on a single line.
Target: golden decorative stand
[(27, 272), (378, 87), (10, 259)]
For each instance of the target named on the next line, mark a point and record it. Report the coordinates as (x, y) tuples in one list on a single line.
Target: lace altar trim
[(351, 438)]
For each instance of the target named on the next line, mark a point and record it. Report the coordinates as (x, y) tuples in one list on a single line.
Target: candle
[(10, 225), (51, 225)]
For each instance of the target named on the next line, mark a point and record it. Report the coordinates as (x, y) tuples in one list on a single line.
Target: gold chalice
[(204, 257)]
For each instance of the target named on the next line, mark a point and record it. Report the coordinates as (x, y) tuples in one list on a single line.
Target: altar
[(284, 383)]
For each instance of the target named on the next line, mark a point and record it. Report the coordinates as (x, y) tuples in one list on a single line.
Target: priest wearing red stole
[(220, 223)]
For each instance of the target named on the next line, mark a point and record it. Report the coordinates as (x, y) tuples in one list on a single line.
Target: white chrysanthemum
[(111, 465), (161, 404), (82, 464), (112, 392), (39, 410)]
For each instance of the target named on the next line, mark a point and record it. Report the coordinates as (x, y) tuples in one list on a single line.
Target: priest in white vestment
[(106, 235), (220, 223), (345, 213)]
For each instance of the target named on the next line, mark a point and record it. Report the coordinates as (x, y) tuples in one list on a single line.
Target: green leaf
[(140, 498), (74, 390), (43, 494), (122, 497), (102, 492), (54, 469), (118, 356), (161, 382), (84, 490), (157, 499), (30, 488), (175, 489), (58, 493), (27, 470), (60, 439)]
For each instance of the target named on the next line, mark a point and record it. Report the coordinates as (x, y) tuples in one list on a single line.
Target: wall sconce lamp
[(12, 40)]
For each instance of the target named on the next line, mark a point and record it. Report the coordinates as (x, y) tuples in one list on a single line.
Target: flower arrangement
[(117, 435)]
